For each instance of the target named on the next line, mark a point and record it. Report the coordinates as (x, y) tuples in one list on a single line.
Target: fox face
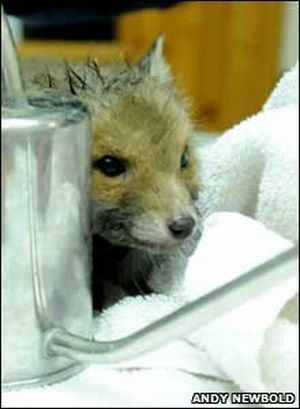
[(144, 176)]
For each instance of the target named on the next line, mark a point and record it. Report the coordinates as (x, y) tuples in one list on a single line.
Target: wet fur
[(140, 117)]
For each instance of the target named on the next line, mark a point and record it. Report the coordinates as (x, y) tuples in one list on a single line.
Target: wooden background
[(225, 55)]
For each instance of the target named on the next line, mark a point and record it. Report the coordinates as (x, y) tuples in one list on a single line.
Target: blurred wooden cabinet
[(224, 54)]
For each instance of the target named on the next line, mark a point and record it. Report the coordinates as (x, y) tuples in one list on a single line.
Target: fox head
[(144, 177)]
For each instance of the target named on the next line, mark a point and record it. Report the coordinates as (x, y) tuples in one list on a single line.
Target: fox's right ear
[(153, 62)]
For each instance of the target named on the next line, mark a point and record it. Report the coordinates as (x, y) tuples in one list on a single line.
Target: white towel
[(286, 91), (253, 167)]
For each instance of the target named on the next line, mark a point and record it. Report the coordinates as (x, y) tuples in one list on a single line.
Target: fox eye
[(110, 166), (184, 161)]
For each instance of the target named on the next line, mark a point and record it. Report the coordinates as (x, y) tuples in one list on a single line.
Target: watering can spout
[(181, 322)]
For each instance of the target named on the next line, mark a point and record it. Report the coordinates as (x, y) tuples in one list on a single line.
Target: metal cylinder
[(45, 234)]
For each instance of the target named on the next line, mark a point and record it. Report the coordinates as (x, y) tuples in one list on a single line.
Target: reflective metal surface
[(45, 234)]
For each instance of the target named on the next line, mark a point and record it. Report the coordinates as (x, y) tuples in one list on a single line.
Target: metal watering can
[(47, 309)]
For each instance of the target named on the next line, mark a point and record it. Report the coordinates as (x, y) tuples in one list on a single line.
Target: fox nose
[(181, 228)]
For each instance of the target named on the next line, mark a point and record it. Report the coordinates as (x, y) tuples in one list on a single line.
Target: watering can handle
[(179, 323)]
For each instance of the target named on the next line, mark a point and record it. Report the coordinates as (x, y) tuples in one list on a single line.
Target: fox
[(145, 170)]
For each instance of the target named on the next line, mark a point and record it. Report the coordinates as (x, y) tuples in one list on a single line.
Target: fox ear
[(153, 62)]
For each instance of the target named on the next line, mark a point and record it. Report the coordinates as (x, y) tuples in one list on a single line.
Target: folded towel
[(286, 91), (253, 167), (235, 340)]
